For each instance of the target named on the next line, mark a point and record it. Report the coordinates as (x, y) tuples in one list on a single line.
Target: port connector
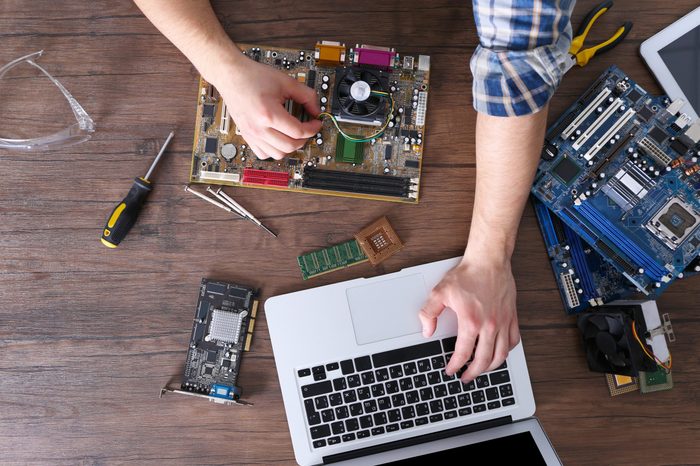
[(567, 281)]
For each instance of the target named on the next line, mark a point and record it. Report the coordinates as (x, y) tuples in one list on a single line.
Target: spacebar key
[(408, 353), (315, 389)]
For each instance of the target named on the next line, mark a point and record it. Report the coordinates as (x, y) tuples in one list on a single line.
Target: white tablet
[(673, 55)]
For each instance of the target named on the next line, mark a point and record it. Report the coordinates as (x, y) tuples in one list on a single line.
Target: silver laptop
[(362, 386)]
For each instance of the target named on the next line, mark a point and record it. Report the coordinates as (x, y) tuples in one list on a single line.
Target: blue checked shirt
[(523, 46)]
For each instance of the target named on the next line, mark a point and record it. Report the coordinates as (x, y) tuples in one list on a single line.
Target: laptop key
[(382, 375), (384, 403), (319, 443), (412, 397), (424, 365), (339, 384), (377, 390), (395, 372), (450, 403), (309, 406), (422, 409), (336, 399), (363, 434), (348, 437), (434, 378), (478, 396), (499, 377), (341, 412), (410, 368), (479, 408), (321, 431), (492, 393), (423, 350), (328, 415), (319, 375), (436, 406), (347, 367), (333, 440), (352, 425), (506, 390), (450, 414), (502, 366), (380, 418), (313, 418), (406, 424), (447, 378), (392, 427), (468, 387), (405, 384), (364, 393), (508, 402), (426, 394), (377, 430), (420, 381), (356, 409), (338, 427), (363, 363), (454, 387), (448, 344), (368, 378), (435, 418), (305, 373), (349, 396), (398, 400), (394, 415), (440, 390), (366, 422), (370, 406), (464, 411), (392, 387), (315, 389), (438, 362), (421, 421), (332, 366), (493, 404), (464, 399), (321, 402), (408, 412), (482, 381)]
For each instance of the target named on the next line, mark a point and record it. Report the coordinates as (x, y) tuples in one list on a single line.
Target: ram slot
[(578, 257), (597, 124), (586, 113), (332, 180), (545, 220), (614, 129)]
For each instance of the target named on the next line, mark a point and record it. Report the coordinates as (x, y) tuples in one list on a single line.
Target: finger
[(482, 357), (428, 315), (464, 347), (281, 141), (256, 150), (304, 95), (263, 150), (286, 124), (500, 352), (514, 333)]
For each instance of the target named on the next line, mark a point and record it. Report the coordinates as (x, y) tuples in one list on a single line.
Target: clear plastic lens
[(75, 133)]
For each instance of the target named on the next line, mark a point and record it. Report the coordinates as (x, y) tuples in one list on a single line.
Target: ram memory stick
[(329, 259)]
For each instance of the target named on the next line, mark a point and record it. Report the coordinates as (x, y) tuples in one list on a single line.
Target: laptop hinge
[(417, 440)]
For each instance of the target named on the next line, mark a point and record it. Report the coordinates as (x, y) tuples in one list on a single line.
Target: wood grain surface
[(88, 335)]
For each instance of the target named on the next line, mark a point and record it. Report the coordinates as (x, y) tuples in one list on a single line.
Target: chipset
[(379, 241)]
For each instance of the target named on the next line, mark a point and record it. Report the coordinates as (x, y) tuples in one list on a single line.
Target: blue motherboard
[(619, 169)]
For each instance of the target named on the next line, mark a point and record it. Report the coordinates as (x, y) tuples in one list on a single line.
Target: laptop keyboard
[(374, 395)]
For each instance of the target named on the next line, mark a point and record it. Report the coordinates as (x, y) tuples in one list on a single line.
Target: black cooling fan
[(353, 100)]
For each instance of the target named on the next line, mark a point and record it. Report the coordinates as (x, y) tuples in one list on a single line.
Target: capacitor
[(610, 100), (594, 185), (415, 98), (657, 172), (413, 140), (590, 163), (392, 88), (694, 159), (635, 155), (319, 141), (405, 140), (391, 124), (630, 150), (680, 275), (324, 100), (415, 105), (564, 265), (657, 284), (325, 78), (415, 91), (578, 132), (602, 175), (599, 109), (386, 170), (668, 169), (579, 291), (577, 280), (640, 271), (419, 141), (324, 86), (400, 110), (323, 108)]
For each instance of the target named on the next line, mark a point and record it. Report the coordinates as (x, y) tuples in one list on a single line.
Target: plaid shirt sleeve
[(520, 59)]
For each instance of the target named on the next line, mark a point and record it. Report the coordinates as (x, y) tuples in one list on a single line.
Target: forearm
[(507, 151), (192, 27)]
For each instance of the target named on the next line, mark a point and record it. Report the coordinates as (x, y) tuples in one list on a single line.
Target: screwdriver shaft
[(208, 199), (160, 154)]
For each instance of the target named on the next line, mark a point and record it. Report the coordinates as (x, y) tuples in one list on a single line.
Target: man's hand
[(255, 95), (482, 294)]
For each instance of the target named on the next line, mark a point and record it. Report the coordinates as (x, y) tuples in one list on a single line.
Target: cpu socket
[(674, 222)]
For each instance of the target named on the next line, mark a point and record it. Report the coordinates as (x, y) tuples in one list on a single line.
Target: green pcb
[(329, 259), (655, 381)]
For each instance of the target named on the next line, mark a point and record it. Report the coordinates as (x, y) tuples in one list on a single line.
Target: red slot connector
[(265, 177)]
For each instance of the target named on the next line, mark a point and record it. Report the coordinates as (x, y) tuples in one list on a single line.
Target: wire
[(651, 355), (368, 138)]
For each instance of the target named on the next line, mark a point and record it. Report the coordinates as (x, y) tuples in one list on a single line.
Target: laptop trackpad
[(387, 309)]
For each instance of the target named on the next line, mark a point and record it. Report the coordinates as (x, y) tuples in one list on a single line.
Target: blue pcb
[(619, 168)]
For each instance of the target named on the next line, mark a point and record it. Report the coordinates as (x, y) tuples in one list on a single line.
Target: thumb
[(304, 95), (428, 315)]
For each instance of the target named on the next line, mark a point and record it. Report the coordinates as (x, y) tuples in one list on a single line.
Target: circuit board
[(223, 328), (376, 96), (619, 168)]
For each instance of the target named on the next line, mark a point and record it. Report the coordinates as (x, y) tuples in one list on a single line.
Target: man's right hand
[(255, 95)]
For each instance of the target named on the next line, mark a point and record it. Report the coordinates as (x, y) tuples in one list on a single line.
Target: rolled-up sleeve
[(522, 54)]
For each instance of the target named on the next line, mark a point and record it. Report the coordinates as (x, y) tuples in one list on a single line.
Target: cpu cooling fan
[(353, 99)]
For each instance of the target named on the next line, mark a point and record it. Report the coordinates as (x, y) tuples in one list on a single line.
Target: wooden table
[(89, 335)]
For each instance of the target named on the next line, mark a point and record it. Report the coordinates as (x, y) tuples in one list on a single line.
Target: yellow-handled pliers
[(580, 57)]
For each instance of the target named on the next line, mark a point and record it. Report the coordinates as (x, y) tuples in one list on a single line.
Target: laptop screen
[(682, 57), (499, 451)]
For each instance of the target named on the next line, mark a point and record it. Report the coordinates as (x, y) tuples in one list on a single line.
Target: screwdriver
[(124, 216)]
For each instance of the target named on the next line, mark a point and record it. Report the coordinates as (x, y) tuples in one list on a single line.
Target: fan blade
[(362, 108), (348, 105), (350, 76)]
